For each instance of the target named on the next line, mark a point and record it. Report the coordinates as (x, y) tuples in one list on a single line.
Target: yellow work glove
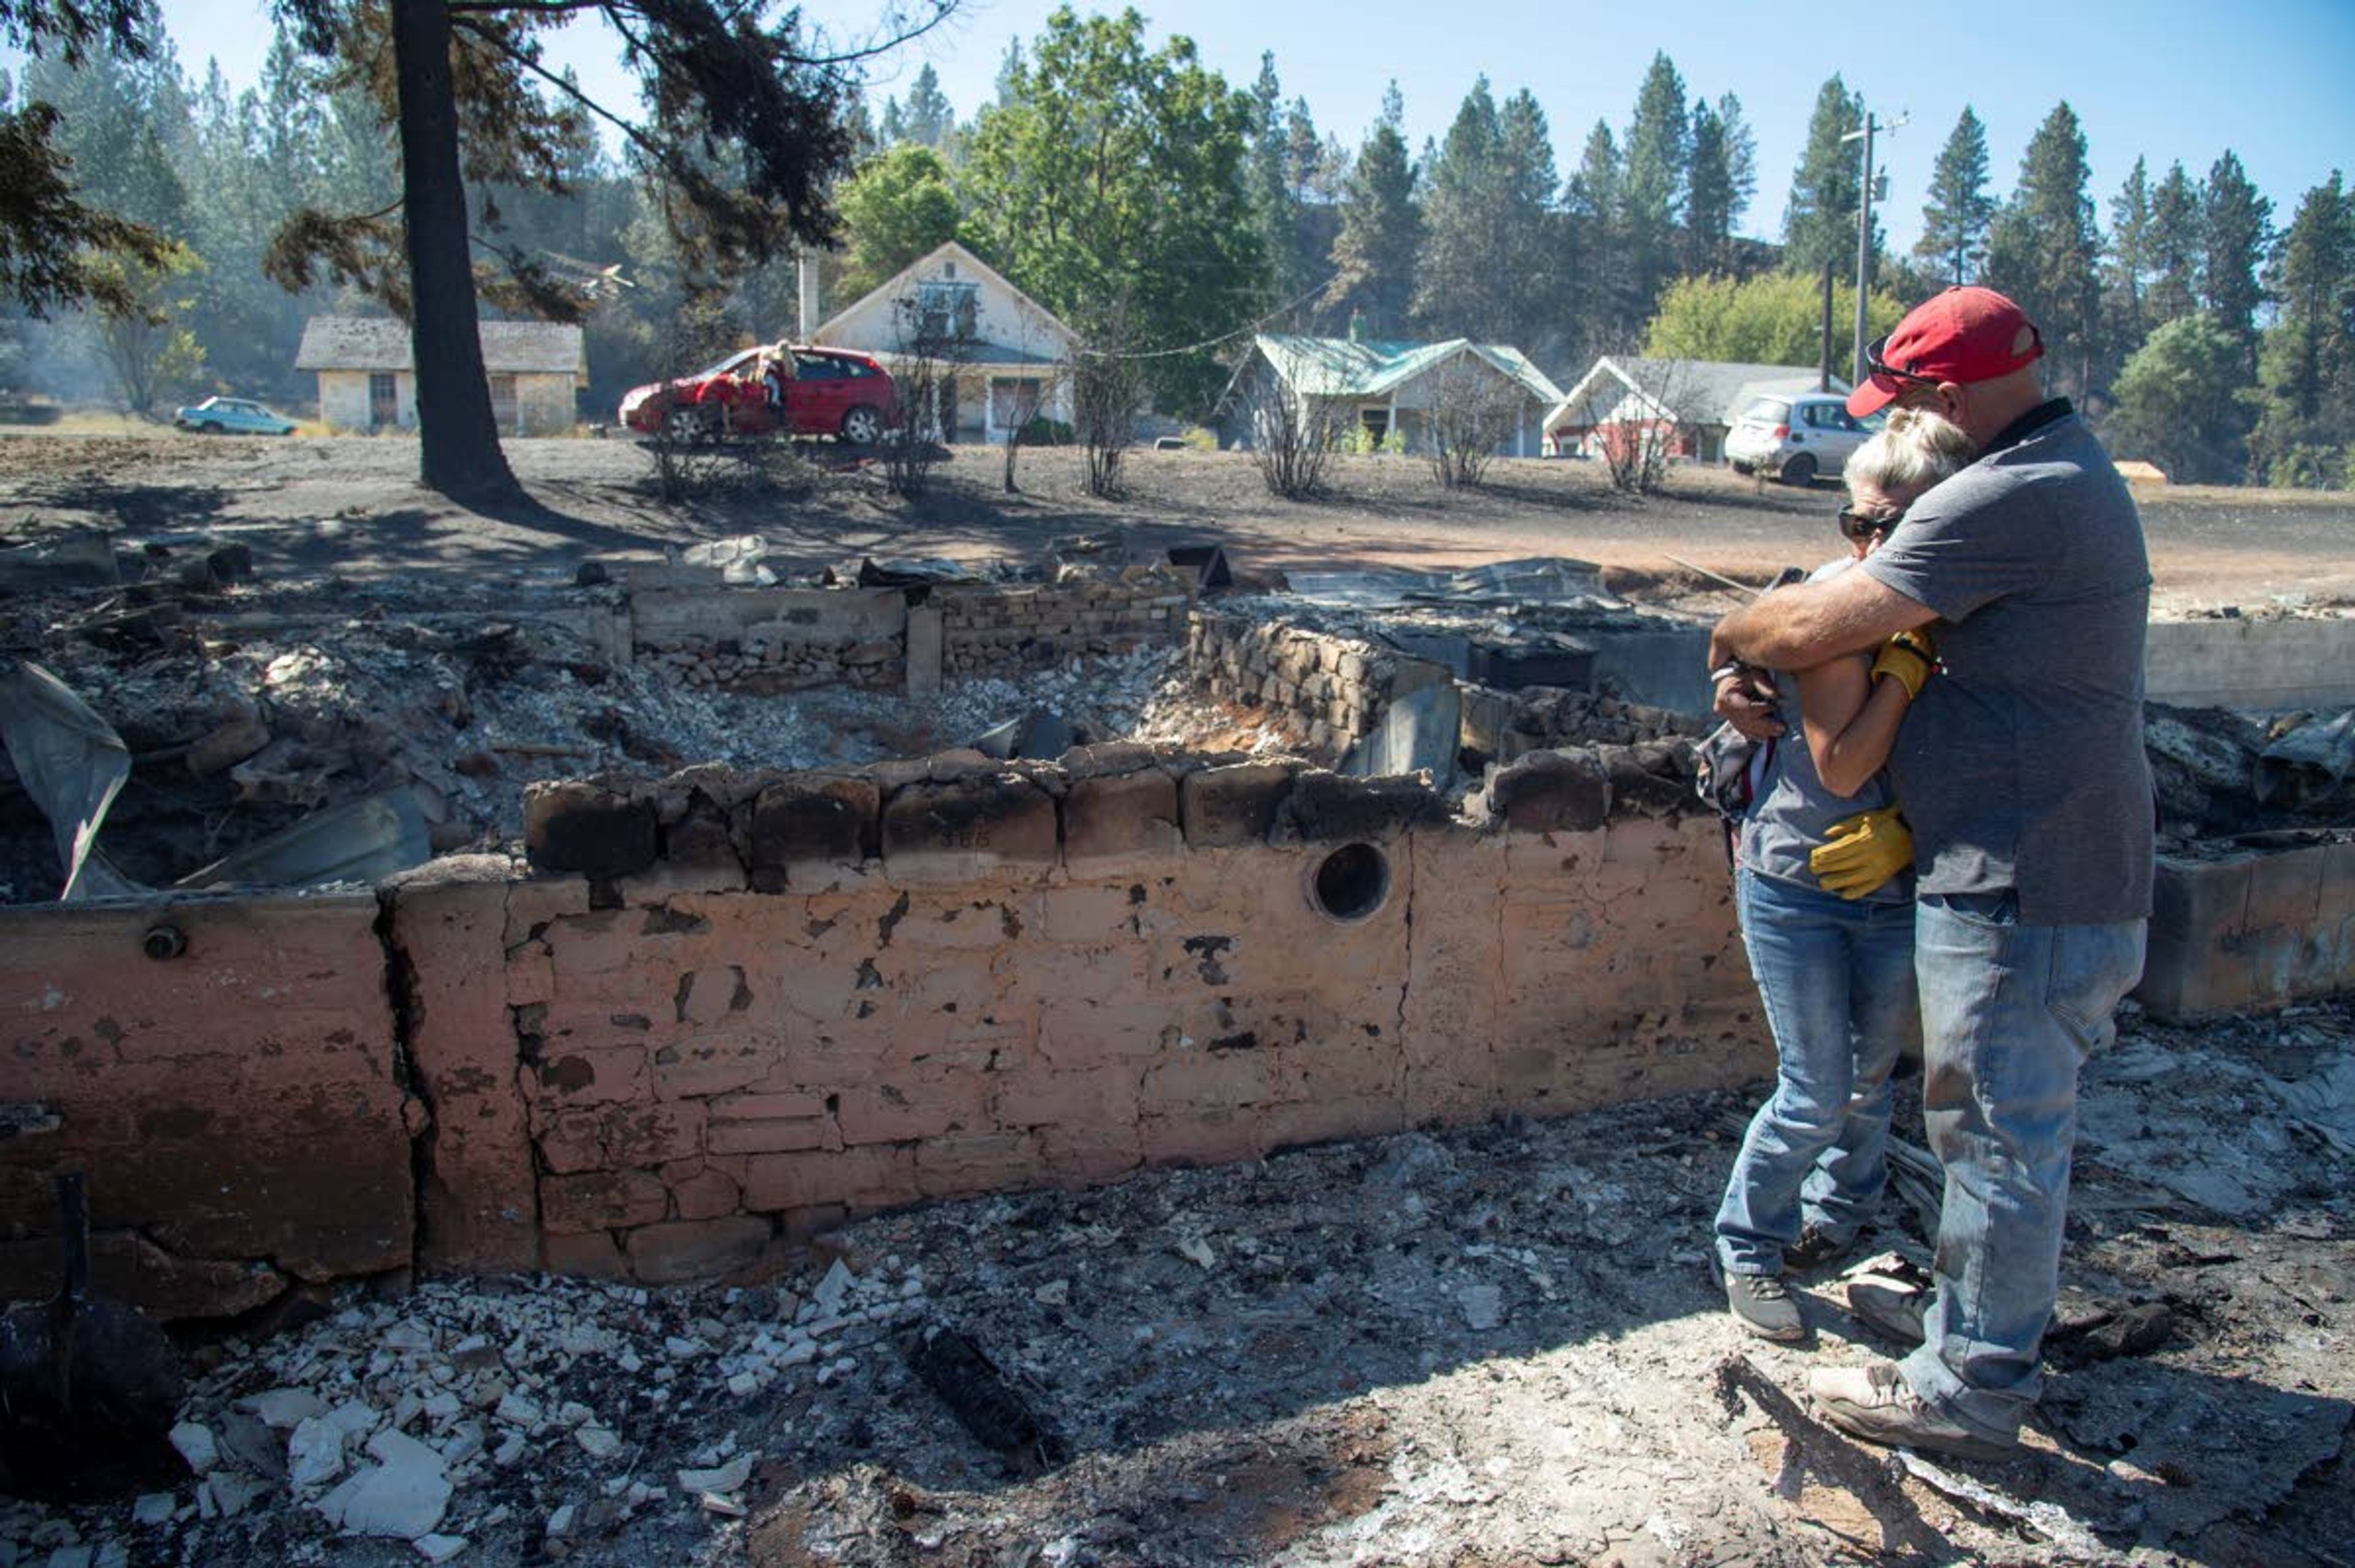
[(1862, 852), (1908, 657)]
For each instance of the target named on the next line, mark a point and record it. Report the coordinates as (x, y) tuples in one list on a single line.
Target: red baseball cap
[(1966, 334)]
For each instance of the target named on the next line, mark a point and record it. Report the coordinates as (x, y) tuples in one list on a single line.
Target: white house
[(1690, 403), (1386, 390), (369, 383), (1004, 355)]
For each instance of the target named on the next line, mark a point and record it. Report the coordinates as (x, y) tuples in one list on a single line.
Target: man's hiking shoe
[(1814, 1248), (1877, 1405), (1889, 1296), (1761, 1303)]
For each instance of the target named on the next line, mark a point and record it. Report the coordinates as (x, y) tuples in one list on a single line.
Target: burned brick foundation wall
[(1328, 691), (726, 1010), (768, 640), (1006, 631)]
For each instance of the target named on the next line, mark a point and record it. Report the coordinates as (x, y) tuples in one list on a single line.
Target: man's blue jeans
[(2009, 1013), (1837, 978)]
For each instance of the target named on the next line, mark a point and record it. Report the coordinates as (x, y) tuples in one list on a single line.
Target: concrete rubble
[(1493, 1344)]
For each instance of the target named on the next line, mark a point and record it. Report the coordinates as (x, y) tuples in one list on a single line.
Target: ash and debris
[(1487, 1345), (240, 724)]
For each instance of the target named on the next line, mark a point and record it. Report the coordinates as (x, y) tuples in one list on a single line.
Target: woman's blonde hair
[(1913, 451)]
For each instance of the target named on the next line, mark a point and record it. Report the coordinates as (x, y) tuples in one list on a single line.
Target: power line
[(1251, 326)]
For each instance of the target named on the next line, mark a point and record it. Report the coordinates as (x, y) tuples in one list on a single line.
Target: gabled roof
[(923, 269), (1688, 392), (381, 343), (1374, 368)]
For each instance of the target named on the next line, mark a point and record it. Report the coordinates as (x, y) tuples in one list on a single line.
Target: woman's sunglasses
[(1857, 527)]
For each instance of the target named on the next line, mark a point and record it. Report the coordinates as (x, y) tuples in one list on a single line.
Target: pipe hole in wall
[(1352, 883)]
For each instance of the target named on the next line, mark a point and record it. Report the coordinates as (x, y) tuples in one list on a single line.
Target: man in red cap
[(2022, 774)]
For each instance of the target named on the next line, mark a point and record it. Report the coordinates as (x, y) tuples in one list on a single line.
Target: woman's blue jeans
[(1837, 978)]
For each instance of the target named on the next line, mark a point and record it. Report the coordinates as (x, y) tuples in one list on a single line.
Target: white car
[(1795, 438)]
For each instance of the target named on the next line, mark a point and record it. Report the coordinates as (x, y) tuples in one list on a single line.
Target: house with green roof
[(1387, 391)]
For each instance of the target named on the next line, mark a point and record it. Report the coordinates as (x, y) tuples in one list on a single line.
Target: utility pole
[(1864, 230)]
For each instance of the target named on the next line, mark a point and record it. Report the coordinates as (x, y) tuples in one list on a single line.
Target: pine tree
[(1954, 220), (2129, 268), (2043, 248), (1596, 205), (891, 126), (2235, 226), (1459, 289), (1819, 223), (1722, 178), (1381, 226), (1267, 173), (2172, 249), (2305, 435), (928, 116), (1533, 252), (1659, 155)]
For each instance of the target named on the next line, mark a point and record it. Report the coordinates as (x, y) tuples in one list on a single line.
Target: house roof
[(922, 269), (1688, 392), (381, 343), (1374, 368)]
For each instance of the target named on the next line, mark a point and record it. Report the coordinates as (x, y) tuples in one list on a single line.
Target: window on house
[(384, 398), (947, 309), (1014, 400)]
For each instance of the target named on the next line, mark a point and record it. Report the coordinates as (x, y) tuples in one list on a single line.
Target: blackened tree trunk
[(458, 435)]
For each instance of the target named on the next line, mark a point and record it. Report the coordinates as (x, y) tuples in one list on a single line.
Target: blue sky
[(2166, 78)]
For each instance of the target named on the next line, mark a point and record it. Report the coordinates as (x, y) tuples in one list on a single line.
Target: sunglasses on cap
[(1876, 364), (1857, 527)]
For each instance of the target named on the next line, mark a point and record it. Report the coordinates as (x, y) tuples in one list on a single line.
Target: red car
[(833, 391)]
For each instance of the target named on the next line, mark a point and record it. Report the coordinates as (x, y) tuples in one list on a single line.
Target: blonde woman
[(1830, 943)]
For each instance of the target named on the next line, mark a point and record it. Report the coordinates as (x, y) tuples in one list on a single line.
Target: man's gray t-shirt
[(2022, 767)]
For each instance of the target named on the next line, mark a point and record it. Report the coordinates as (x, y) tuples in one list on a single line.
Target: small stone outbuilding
[(368, 382)]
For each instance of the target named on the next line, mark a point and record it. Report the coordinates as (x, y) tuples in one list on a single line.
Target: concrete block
[(1040, 1096), (1648, 780), (1207, 1137), (1226, 806), (1084, 1155), (591, 1075), (1121, 821), (874, 1176), (969, 1163), (681, 1249), (914, 1106), (621, 1137), (1551, 792), (591, 1254), (707, 1193), (573, 825), (811, 824), (970, 829), (924, 651), (1330, 808), (2197, 960), (602, 1201)]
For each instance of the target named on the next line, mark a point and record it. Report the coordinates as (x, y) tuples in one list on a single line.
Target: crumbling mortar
[(407, 1013)]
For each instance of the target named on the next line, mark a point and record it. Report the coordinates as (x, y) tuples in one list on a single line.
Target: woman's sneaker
[(1761, 1303)]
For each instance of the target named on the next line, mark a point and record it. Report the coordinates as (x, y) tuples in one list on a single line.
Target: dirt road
[(350, 506)]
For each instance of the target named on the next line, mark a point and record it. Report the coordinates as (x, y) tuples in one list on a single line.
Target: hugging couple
[(1952, 818)]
